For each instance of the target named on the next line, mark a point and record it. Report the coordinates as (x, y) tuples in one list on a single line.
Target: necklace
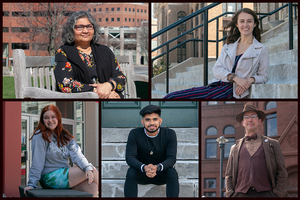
[(151, 150)]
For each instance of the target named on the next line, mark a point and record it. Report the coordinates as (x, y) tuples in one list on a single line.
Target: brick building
[(168, 13), (218, 119)]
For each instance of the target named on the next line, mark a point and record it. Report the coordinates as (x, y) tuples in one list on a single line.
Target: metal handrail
[(205, 40)]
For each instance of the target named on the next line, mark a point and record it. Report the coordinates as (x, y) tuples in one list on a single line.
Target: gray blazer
[(253, 63)]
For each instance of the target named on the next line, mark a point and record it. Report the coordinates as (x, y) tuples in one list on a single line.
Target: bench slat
[(47, 76), (35, 77), (41, 75), (28, 78), (53, 80)]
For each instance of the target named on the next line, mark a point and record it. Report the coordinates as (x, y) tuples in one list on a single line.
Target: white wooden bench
[(34, 78)]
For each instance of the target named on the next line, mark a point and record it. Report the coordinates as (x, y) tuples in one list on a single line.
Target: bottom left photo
[(59, 143)]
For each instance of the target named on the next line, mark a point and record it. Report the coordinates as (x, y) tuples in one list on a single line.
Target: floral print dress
[(68, 84)]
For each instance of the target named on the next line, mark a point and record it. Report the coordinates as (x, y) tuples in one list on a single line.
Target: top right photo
[(224, 50)]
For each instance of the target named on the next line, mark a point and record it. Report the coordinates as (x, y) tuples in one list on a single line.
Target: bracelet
[(232, 77), (112, 85)]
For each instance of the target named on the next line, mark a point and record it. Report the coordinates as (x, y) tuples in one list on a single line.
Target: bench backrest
[(37, 71)]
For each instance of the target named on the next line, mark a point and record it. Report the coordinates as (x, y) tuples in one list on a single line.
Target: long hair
[(63, 136), (68, 30), (234, 32)]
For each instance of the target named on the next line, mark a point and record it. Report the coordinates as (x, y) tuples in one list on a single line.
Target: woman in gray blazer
[(242, 62)]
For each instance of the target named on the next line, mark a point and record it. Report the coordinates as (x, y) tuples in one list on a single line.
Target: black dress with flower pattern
[(75, 70)]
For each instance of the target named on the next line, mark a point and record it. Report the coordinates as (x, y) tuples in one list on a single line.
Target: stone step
[(283, 57), (155, 94), (283, 73), (109, 135), (115, 188), (116, 151), (271, 91), (187, 169), (284, 36), (281, 46)]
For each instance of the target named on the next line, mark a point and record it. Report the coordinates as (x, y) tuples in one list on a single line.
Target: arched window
[(180, 15), (271, 119), (211, 131), (229, 130)]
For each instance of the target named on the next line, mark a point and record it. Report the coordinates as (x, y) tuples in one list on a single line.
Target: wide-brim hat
[(247, 108)]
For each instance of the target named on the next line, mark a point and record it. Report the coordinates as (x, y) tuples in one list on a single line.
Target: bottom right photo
[(249, 149)]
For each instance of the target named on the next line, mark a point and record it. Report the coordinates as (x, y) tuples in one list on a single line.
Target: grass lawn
[(8, 87)]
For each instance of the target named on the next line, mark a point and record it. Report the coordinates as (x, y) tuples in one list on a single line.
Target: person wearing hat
[(255, 166), (151, 154)]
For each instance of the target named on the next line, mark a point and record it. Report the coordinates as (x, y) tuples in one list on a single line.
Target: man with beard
[(151, 155), (255, 166)]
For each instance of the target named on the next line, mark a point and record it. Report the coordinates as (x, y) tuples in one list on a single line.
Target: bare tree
[(144, 40), (41, 23)]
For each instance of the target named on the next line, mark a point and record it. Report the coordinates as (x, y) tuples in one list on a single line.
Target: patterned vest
[(252, 171)]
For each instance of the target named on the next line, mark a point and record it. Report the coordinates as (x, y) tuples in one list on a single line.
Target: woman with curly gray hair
[(82, 65)]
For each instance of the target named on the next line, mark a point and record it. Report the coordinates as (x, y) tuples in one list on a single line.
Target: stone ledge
[(40, 192), (115, 188)]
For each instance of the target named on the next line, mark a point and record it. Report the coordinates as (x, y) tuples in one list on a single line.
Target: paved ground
[(141, 69)]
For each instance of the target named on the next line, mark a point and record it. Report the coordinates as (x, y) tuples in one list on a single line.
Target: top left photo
[(75, 51)]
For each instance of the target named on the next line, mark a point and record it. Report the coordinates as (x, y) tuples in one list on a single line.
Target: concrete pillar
[(122, 41), (106, 35), (138, 45)]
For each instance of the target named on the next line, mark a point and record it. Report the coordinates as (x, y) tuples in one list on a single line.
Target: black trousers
[(135, 177)]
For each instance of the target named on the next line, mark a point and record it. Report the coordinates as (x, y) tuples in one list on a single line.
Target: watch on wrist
[(232, 77), (112, 85), (158, 167)]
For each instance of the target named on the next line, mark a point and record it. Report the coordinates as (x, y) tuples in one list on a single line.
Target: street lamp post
[(222, 142)]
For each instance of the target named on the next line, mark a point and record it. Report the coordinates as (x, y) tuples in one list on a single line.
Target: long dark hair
[(234, 32), (63, 136)]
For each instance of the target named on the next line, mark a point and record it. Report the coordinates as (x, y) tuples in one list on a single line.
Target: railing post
[(291, 26), (167, 81), (261, 25), (295, 12), (194, 40), (205, 48), (217, 39), (151, 69)]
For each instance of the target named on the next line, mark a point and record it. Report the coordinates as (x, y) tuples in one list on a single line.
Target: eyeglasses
[(81, 27), (248, 117)]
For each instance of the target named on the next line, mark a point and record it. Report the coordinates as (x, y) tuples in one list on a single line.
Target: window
[(118, 9), (270, 105), (138, 20), (125, 19), (129, 19), (129, 9), (106, 9), (5, 13), (118, 19), (94, 9), (20, 14), (138, 10), (211, 131), (19, 29), (210, 183), (40, 47), (5, 29), (141, 11), (132, 19), (231, 7), (112, 9), (211, 149), (99, 19), (132, 9), (112, 19), (20, 46), (106, 19), (100, 9), (181, 53), (229, 102), (89, 10), (271, 124), (229, 130), (180, 15), (228, 145), (223, 186), (145, 11), (125, 9), (209, 194)]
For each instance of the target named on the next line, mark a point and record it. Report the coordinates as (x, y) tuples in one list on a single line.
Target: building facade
[(218, 119)]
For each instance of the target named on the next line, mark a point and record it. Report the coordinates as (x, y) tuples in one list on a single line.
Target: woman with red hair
[(52, 146)]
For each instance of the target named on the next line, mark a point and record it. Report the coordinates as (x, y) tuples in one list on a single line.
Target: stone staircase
[(282, 73), (114, 166)]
